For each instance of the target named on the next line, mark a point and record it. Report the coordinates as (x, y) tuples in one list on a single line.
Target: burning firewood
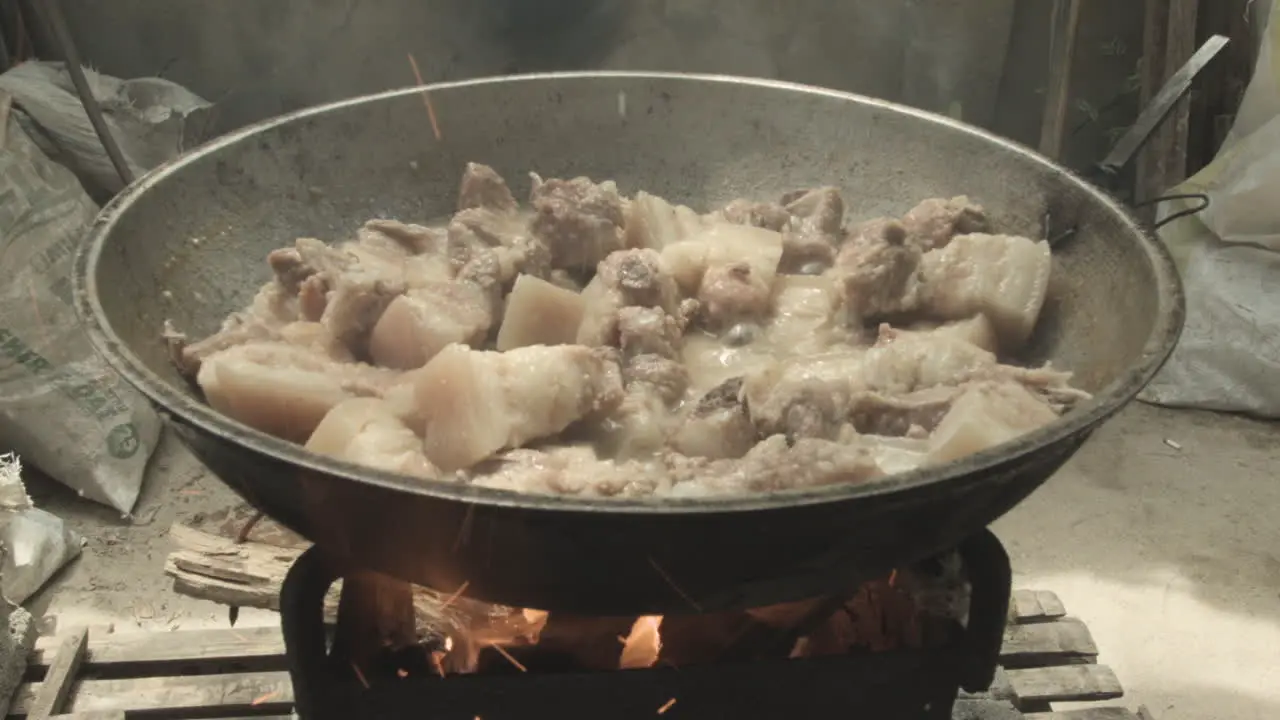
[(461, 635)]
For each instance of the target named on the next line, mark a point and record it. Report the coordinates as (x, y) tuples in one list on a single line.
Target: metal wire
[(1055, 240), (50, 13), (1204, 203)]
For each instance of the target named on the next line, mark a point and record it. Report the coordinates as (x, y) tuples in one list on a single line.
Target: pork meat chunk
[(1004, 277), (580, 221), (311, 336), (540, 313), (813, 231), (422, 322), (354, 305), (567, 470), (638, 428), (273, 305), (627, 278), (877, 272), (506, 235), (367, 432), (483, 187), (309, 257), (665, 377), (648, 331), (723, 244), (732, 293), (477, 402), (717, 426), (654, 223), (906, 362), (987, 414), (810, 396), (913, 414), (402, 239), (774, 464), (932, 223), (640, 279), (284, 390), (977, 330), (767, 215)]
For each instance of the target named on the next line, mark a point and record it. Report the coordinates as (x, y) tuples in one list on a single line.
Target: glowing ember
[(882, 615), (643, 644)]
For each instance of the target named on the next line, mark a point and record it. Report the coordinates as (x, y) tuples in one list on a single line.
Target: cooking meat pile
[(592, 344)]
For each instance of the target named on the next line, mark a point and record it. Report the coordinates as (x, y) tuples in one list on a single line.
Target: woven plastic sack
[(34, 544), (61, 408), (1229, 356)]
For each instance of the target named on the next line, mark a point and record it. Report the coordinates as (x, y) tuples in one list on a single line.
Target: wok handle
[(302, 623), (991, 580)]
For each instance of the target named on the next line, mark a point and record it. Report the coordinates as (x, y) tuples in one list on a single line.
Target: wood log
[(1150, 166), (1180, 45), (61, 676), (1169, 41), (250, 574)]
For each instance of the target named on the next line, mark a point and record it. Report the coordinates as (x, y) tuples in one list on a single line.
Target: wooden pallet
[(240, 673)]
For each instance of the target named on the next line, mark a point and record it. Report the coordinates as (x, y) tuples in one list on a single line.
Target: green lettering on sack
[(123, 442), (94, 397)]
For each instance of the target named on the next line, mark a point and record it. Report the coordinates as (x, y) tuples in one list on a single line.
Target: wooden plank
[(61, 676), (1053, 643), (1097, 713), (1219, 92), (218, 569), (250, 574), (1150, 170), (6, 104), (1179, 47), (263, 647), (234, 693), (260, 647), (1057, 98), (1037, 606), (1068, 683), (272, 692)]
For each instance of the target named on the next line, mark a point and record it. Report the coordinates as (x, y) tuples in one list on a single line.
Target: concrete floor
[(1161, 535)]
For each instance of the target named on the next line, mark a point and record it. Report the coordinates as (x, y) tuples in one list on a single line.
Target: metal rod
[(1160, 107), (50, 14)]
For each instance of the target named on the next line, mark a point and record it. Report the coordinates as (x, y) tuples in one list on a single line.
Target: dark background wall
[(983, 60)]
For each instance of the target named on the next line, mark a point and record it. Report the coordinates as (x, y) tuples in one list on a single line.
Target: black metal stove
[(890, 685)]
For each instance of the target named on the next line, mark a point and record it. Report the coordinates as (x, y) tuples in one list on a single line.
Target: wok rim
[(169, 401)]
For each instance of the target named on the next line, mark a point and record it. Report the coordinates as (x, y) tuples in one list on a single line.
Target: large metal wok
[(187, 243)]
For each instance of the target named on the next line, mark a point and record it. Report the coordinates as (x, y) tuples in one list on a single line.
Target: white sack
[(61, 408), (148, 118), (36, 544), (1229, 256)]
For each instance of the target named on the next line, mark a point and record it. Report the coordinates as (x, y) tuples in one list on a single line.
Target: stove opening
[(899, 647)]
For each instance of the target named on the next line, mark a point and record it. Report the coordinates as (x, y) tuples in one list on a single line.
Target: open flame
[(643, 645), (882, 615)]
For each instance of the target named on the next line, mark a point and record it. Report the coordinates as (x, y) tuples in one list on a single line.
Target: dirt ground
[(1160, 535)]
